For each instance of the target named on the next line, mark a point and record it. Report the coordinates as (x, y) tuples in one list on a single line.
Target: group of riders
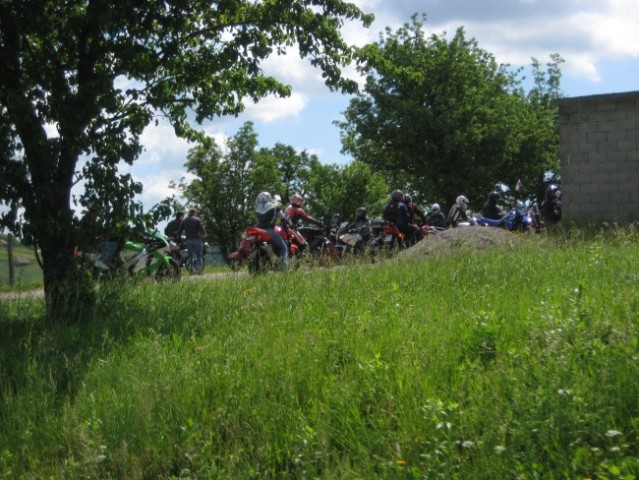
[(400, 211)]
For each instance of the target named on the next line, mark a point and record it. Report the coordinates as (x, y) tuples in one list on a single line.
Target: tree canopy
[(441, 117), (80, 81)]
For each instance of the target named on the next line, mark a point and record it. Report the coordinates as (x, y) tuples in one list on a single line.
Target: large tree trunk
[(68, 291)]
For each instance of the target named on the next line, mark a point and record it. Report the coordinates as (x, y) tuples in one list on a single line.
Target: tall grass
[(519, 363)]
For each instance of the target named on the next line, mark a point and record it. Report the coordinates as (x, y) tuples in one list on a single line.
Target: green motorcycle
[(150, 257)]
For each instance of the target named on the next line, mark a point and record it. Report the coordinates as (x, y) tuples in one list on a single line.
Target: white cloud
[(162, 146), (273, 108)]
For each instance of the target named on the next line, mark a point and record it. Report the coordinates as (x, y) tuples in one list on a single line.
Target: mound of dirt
[(461, 238)]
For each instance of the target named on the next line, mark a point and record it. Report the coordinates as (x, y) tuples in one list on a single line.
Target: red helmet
[(296, 200)]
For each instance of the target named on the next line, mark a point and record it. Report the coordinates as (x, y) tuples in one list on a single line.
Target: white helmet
[(264, 202), (462, 201), (435, 208)]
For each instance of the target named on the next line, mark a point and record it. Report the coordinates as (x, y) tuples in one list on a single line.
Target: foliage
[(344, 188), (349, 373), (442, 118), (80, 81)]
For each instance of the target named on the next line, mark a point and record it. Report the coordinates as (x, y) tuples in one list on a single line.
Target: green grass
[(27, 273), (521, 363)]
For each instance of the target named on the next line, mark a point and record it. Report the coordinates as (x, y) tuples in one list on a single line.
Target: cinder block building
[(599, 157)]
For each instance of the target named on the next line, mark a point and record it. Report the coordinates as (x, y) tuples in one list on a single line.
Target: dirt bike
[(320, 245), (256, 249), (149, 257), (352, 243)]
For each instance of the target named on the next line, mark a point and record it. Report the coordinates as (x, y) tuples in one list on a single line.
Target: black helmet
[(361, 212), (494, 197), (551, 190), (408, 198)]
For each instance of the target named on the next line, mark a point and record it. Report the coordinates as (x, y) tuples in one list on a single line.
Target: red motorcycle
[(394, 238), (256, 249)]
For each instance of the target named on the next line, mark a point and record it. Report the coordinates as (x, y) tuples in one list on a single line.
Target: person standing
[(194, 232), (173, 226)]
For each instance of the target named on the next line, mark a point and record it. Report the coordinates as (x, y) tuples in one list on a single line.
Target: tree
[(294, 168), (226, 185), (343, 188), (80, 80), (442, 118)]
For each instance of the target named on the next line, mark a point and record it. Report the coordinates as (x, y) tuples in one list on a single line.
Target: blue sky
[(598, 39)]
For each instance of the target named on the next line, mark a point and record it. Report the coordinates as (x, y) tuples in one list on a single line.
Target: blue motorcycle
[(523, 218)]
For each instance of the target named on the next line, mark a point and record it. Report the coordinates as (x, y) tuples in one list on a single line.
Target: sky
[(598, 40)]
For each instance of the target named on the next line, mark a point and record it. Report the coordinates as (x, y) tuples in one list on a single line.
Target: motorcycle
[(256, 249), (319, 244), (351, 241), (394, 238), (524, 217), (150, 257)]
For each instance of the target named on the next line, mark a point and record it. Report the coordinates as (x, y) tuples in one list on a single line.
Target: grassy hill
[(515, 362)]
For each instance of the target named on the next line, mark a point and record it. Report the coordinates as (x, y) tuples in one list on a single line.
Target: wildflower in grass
[(613, 433), (400, 462), (499, 449), (468, 444)]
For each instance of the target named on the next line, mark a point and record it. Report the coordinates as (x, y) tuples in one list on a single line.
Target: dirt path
[(39, 292)]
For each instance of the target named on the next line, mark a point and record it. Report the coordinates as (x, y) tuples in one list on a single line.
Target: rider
[(396, 212), (551, 207), (415, 215), (457, 212), (436, 217), (491, 209), (361, 223), (268, 213), (296, 213)]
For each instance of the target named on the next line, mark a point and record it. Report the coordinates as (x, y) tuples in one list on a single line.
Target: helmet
[(336, 218), (462, 201), (397, 195), (296, 200), (361, 212), (435, 208), (407, 198), (551, 191), (494, 197), (263, 197), (264, 202)]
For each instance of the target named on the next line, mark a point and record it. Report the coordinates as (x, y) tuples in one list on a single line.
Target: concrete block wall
[(599, 157)]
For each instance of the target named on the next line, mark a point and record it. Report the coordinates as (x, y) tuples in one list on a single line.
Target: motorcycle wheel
[(171, 271), (257, 261)]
